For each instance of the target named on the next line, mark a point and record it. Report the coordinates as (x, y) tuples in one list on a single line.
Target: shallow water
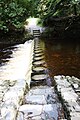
[(63, 58), (13, 61)]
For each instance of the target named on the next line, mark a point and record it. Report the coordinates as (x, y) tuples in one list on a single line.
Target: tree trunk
[(75, 9)]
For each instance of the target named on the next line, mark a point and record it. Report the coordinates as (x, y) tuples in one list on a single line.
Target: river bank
[(27, 91), (15, 77), (14, 38)]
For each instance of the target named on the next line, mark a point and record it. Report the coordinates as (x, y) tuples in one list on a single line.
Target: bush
[(12, 15)]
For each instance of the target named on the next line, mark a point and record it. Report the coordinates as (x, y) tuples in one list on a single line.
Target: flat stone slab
[(35, 99), (39, 69), (41, 103), (39, 58), (38, 49), (39, 112), (41, 95), (39, 77), (31, 110), (41, 90), (67, 87), (39, 54), (39, 62)]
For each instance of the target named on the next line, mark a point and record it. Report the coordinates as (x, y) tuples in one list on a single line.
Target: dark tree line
[(13, 13)]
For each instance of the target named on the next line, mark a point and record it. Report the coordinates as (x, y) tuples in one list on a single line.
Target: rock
[(20, 116), (39, 77), (39, 62), (31, 110), (77, 108), (39, 69), (75, 115), (59, 77), (38, 58), (51, 111), (35, 99), (75, 118), (38, 54), (69, 96), (75, 86), (8, 111)]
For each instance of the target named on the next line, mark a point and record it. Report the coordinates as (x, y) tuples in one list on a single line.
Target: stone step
[(39, 69), (38, 51), (39, 77), (39, 63), (41, 103), (38, 58), (38, 54)]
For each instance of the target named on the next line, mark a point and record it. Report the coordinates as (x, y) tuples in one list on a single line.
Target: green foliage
[(13, 15), (58, 8)]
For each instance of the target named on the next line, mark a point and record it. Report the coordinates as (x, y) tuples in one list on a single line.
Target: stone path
[(15, 77), (41, 102), (69, 91), (28, 93)]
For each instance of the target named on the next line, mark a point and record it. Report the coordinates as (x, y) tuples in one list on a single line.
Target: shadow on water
[(63, 58)]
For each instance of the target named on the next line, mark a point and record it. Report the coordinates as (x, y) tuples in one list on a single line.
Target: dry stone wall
[(16, 80)]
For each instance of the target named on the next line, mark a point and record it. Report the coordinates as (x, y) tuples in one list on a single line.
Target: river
[(63, 58), (13, 61)]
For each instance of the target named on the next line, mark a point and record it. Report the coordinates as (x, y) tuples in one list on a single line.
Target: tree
[(13, 14), (50, 9)]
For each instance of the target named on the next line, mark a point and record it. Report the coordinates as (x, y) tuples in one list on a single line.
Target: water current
[(13, 63), (61, 58)]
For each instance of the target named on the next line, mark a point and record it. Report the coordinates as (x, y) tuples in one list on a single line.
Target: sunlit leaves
[(59, 8), (12, 14)]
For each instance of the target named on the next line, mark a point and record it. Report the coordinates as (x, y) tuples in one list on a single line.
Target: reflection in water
[(63, 58), (56, 47)]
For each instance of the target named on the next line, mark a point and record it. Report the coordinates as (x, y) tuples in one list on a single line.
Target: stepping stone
[(51, 111), (31, 110), (45, 112), (38, 54), (42, 95), (35, 99), (38, 69), (37, 63), (39, 77), (39, 90), (37, 83), (38, 51), (40, 104), (39, 58)]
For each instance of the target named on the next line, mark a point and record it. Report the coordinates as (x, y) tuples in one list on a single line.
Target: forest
[(60, 17)]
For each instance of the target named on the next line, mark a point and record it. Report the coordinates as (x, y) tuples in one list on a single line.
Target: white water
[(19, 64)]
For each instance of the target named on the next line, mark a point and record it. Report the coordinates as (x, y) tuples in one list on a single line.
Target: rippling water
[(13, 61), (63, 58)]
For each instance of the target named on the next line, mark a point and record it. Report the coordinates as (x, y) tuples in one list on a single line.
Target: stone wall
[(15, 80)]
